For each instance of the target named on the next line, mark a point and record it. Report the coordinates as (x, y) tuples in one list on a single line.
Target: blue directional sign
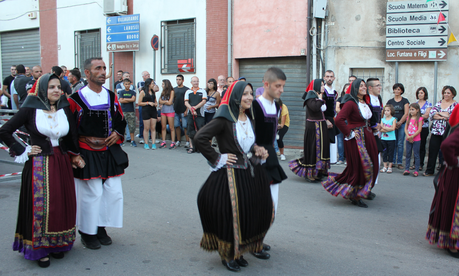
[(123, 33), (129, 28), (123, 19)]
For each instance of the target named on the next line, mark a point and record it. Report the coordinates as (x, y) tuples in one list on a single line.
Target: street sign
[(124, 28), (417, 30), (417, 6), (123, 33), (416, 55), (123, 19), (414, 18), (122, 46), (413, 32), (154, 42), (418, 42)]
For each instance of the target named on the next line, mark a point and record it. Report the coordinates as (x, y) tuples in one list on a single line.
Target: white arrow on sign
[(108, 20), (109, 29), (441, 54), (109, 47), (109, 38)]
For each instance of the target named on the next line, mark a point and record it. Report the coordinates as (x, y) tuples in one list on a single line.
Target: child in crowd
[(127, 100), (388, 125), (413, 138)]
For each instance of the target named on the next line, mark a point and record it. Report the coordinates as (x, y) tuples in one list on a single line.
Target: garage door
[(20, 47), (295, 70)]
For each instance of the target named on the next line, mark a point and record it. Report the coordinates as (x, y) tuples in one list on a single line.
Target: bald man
[(195, 98)]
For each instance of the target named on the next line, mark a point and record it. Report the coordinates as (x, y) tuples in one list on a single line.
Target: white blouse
[(245, 138), (365, 111), (53, 125)]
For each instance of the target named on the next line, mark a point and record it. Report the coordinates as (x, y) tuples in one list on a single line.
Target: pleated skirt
[(443, 227), (236, 211), (47, 207), (359, 176)]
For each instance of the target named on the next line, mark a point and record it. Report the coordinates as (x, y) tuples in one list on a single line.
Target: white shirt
[(270, 107), (13, 92), (330, 90), (365, 110), (94, 98), (374, 100)]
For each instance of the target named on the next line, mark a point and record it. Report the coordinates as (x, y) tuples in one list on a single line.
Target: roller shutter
[(20, 47), (295, 86)]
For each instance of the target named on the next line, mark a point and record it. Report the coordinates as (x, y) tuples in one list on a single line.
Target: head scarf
[(38, 95), (230, 104), (454, 117), (353, 91)]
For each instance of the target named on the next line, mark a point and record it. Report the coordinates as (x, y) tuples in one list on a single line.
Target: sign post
[(414, 32), (155, 45)]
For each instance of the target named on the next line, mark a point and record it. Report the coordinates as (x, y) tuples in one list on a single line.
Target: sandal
[(383, 170), (415, 174), (427, 174), (400, 167), (406, 172), (190, 151), (412, 168), (389, 170)]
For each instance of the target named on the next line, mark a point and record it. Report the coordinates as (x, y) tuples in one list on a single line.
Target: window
[(87, 45), (365, 73), (178, 46)]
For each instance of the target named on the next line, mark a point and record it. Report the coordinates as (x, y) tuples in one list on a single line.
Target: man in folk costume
[(330, 96), (266, 113), (376, 106), (101, 126)]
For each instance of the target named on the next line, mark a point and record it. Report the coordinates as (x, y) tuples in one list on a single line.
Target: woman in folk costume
[(316, 160), (358, 178), (235, 202), (47, 205), (443, 227)]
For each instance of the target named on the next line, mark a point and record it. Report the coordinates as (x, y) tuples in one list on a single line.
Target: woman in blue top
[(426, 106), (213, 100)]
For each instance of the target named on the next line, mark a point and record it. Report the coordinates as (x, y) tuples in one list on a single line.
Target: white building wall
[(151, 16), (79, 15), (356, 39)]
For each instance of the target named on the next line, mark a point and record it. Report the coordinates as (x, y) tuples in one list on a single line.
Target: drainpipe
[(308, 43), (230, 41)]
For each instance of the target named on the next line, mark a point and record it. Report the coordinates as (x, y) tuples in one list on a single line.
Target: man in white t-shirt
[(195, 98)]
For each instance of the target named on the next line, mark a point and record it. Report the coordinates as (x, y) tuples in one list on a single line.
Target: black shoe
[(261, 255), (231, 265), (242, 262), (453, 254), (104, 239), (89, 241), (371, 196), (44, 263), (57, 255), (266, 247), (359, 203), (311, 180)]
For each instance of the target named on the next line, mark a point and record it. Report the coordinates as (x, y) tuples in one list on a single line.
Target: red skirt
[(47, 207), (359, 176)]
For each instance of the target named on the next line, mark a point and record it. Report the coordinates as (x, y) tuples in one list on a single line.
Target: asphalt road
[(314, 233)]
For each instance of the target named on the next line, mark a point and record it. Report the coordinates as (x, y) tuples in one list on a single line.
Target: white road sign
[(416, 42)]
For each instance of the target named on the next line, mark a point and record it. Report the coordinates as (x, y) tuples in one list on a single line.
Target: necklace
[(244, 125)]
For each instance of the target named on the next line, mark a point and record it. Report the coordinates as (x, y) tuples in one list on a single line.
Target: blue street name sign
[(125, 28)]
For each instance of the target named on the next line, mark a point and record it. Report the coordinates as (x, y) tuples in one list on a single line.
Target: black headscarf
[(38, 95), (352, 92), (231, 102), (313, 90)]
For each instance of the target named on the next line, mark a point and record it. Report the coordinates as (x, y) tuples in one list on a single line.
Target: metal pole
[(396, 72), (154, 65), (435, 82), (113, 73), (133, 67)]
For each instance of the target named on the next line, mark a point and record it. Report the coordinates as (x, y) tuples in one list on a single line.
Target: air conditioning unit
[(115, 7)]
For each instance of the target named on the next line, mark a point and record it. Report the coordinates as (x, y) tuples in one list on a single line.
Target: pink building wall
[(269, 28)]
